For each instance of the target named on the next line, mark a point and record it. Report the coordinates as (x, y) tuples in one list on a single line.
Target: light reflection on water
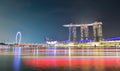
[(17, 58), (64, 59), (69, 63), (74, 64)]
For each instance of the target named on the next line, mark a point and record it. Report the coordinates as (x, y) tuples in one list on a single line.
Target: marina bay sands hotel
[(84, 31)]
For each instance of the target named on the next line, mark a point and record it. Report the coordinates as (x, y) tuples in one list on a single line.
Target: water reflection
[(17, 58), (64, 58), (75, 59), (54, 51), (69, 52), (76, 64)]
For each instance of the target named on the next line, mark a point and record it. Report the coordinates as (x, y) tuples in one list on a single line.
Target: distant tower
[(74, 34), (69, 38), (18, 38), (97, 29), (84, 32)]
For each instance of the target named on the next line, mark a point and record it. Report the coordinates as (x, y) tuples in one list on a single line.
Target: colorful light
[(18, 37)]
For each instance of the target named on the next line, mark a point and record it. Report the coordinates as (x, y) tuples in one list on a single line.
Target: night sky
[(37, 19)]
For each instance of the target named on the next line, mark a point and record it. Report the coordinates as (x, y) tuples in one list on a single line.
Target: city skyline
[(37, 19)]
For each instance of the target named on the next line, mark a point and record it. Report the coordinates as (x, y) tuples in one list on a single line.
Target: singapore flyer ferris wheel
[(18, 38)]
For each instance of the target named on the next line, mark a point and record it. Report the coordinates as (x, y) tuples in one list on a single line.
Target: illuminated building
[(84, 31), (97, 29), (84, 41)]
